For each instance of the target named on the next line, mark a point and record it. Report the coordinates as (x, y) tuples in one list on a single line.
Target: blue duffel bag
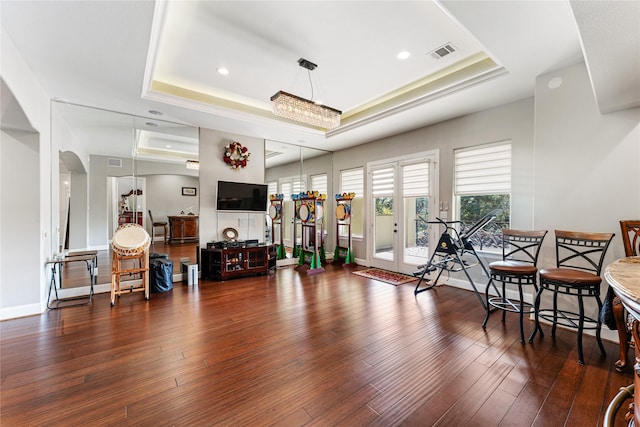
[(160, 275)]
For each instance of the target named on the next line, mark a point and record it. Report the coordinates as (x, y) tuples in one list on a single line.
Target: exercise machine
[(453, 253)]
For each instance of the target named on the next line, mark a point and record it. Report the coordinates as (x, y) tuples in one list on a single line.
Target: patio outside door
[(401, 203)]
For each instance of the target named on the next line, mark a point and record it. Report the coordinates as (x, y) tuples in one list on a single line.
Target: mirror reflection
[(117, 168), (289, 170)]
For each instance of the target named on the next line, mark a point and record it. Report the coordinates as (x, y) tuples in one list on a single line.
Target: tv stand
[(229, 263)]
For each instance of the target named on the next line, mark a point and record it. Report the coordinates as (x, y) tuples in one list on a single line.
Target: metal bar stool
[(520, 251), (579, 258)]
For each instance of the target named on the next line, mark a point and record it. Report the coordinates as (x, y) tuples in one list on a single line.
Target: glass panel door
[(415, 196), (385, 217), (400, 211)]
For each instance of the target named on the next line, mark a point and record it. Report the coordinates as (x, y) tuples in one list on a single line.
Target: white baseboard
[(20, 311)]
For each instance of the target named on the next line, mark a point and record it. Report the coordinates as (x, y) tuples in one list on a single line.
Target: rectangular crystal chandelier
[(302, 110), (193, 164)]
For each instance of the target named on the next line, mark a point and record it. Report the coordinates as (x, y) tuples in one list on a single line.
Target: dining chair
[(579, 258), (154, 224)]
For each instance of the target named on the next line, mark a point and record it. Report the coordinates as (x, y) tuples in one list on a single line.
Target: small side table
[(91, 260)]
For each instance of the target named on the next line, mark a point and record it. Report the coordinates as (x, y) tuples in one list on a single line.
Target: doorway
[(127, 201), (402, 201)]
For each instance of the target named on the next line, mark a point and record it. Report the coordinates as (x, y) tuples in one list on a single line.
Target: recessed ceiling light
[(151, 124), (167, 146), (156, 112), (223, 71), (403, 55), (555, 83)]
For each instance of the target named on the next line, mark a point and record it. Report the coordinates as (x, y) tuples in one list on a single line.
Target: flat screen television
[(241, 196)]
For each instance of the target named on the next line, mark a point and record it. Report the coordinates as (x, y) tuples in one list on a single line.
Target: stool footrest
[(506, 304), (568, 319)]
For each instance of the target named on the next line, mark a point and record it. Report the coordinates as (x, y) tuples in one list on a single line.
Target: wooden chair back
[(631, 237)]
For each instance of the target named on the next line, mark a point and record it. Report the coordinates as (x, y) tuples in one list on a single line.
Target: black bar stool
[(520, 251), (579, 258)]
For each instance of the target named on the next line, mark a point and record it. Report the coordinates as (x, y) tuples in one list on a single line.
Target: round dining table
[(623, 276)]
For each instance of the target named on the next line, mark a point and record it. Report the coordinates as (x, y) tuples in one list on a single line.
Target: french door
[(402, 199)]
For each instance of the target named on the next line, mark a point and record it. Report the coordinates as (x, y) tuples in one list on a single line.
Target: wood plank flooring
[(287, 349), (76, 275)]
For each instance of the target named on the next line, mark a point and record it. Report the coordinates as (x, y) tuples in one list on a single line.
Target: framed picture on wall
[(188, 191)]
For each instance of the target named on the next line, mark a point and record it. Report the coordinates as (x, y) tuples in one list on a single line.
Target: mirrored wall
[(291, 169), (117, 168)]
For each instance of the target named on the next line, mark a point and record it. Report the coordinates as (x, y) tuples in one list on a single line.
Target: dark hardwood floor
[(287, 349), (75, 274)]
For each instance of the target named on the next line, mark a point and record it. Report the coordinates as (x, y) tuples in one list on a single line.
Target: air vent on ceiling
[(443, 51), (114, 163), (269, 154)]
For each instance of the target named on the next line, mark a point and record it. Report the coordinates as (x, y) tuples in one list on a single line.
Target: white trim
[(157, 23), (450, 90), (431, 156), (20, 311)]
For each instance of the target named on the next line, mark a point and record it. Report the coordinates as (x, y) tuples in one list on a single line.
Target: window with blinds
[(292, 185), (272, 187), (382, 182), (352, 181), (319, 183), (285, 189), (297, 185), (415, 180), (482, 183), (483, 169)]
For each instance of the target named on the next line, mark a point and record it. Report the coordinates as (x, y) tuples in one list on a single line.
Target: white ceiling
[(139, 56)]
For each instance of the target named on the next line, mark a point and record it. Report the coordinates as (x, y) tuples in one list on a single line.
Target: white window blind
[(297, 186), (352, 181), (272, 187), (285, 189), (319, 183), (415, 180), (483, 169), (382, 182)]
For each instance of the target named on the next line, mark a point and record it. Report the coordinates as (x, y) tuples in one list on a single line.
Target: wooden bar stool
[(520, 251), (130, 244), (579, 258)]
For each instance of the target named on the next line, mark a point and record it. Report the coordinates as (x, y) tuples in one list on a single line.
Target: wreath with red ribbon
[(235, 155)]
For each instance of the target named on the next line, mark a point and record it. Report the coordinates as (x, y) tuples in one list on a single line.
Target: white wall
[(23, 295), (586, 163), (79, 212), (586, 166), (212, 170), (19, 225), (164, 196)]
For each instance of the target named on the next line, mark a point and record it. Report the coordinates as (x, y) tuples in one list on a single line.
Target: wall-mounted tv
[(241, 196)]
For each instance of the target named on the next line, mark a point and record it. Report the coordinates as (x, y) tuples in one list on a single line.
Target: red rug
[(385, 276)]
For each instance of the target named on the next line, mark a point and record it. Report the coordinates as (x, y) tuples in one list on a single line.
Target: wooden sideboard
[(128, 217), (229, 263), (183, 228)]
